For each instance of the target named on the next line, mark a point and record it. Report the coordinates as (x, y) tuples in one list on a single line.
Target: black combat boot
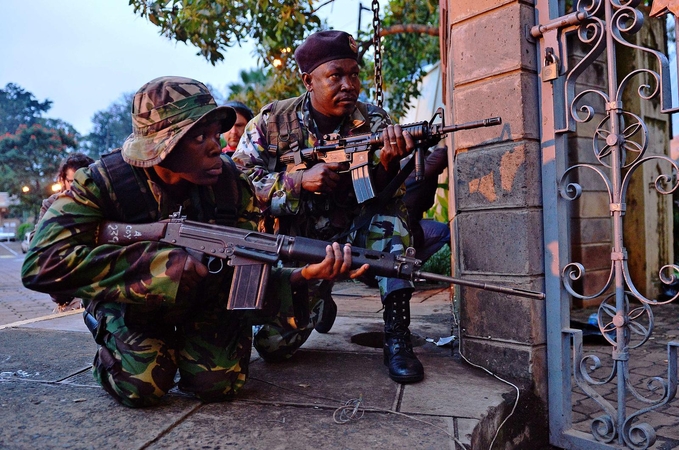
[(404, 367), (327, 315)]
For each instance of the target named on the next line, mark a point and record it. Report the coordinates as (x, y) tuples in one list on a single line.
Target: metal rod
[(479, 285)]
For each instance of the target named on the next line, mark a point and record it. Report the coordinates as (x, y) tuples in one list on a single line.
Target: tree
[(18, 107), (256, 88), (110, 127), (31, 147), (404, 70), (29, 160), (214, 26)]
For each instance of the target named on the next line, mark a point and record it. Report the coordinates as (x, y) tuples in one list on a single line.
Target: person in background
[(67, 169), (319, 202), (156, 309), (428, 235), (69, 166), (229, 140)]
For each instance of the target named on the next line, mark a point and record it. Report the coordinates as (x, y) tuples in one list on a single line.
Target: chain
[(377, 43)]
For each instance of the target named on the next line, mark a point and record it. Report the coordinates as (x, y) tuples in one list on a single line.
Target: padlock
[(550, 71)]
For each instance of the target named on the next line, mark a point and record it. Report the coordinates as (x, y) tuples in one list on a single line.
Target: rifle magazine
[(362, 182), (248, 287)]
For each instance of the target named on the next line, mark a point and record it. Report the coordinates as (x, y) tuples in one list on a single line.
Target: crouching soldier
[(155, 309)]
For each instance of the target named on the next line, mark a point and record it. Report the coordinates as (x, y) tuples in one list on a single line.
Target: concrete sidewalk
[(49, 398)]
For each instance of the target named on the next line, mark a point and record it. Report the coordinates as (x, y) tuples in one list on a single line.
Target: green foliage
[(32, 157), (402, 72), (30, 154), (440, 209), (278, 27), (7, 176), (22, 229), (19, 107), (262, 86), (110, 128), (439, 262)]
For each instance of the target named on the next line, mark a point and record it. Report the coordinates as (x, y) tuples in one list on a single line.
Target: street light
[(25, 189), (277, 61)]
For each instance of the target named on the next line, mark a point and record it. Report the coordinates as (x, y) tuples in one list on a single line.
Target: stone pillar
[(495, 196)]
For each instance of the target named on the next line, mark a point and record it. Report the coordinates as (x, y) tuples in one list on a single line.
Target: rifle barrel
[(489, 122), (479, 285), (419, 130)]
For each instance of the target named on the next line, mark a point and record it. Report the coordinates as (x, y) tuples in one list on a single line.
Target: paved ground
[(47, 392)]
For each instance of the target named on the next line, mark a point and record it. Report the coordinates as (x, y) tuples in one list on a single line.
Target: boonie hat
[(324, 46), (163, 111)]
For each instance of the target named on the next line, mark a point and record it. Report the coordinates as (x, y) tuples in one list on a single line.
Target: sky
[(83, 55)]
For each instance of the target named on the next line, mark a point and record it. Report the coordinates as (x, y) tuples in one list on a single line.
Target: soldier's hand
[(336, 265), (397, 144), (194, 271), (322, 177)]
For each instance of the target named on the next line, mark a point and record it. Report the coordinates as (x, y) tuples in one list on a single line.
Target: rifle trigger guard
[(211, 260)]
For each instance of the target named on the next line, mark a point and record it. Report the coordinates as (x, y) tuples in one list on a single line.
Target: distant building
[(4, 206)]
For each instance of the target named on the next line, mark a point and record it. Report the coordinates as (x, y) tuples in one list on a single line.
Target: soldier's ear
[(306, 79)]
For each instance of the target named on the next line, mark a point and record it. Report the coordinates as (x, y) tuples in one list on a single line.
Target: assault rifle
[(355, 150), (252, 254)]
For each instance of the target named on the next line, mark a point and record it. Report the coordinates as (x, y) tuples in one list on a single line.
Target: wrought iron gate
[(620, 146)]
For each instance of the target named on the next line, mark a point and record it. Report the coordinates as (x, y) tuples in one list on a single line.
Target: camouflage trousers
[(138, 359), (386, 232), (279, 339)]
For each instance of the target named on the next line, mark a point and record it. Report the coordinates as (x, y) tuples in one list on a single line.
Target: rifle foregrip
[(128, 233), (313, 251)]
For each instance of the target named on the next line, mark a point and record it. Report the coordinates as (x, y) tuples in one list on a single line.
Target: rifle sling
[(227, 194), (125, 204)]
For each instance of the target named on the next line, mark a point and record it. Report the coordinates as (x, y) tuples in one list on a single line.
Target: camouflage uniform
[(147, 328), (298, 212)]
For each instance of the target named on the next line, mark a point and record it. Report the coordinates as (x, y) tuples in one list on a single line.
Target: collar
[(345, 128)]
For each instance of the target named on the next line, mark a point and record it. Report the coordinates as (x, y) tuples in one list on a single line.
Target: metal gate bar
[(601, 24)]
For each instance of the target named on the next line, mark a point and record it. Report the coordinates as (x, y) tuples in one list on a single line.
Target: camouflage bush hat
[(324, 46), (164, 110)]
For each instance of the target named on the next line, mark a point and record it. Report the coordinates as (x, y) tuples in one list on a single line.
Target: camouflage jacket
[(281, 191), (63, 257)]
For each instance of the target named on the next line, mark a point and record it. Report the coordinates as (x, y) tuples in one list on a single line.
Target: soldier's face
[(334, 87), (195, 158), (233, 135)]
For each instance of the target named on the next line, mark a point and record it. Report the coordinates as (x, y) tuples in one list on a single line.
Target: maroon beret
[(325, 46)]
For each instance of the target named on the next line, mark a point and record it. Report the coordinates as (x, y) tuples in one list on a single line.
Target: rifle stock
[(355, 150), (252, 254)]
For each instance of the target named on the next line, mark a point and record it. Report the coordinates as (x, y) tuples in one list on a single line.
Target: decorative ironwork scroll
[(620, 144)]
